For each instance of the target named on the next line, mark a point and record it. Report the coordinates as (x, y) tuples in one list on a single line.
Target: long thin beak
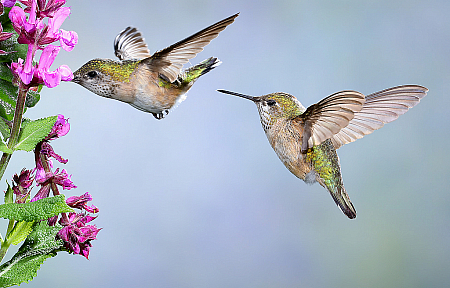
[(254, 99)]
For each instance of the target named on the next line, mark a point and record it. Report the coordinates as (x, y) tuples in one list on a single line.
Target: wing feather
[(329, 116), (379, 108), (170, 60), (129, 44)]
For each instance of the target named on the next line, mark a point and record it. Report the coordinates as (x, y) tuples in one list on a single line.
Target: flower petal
[(9, 3), (65, 72), (57, 20), (47, 57), (68, 39), (17, 16), (51, 79)]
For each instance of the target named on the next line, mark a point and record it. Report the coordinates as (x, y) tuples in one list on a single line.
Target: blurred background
[(200, 199)]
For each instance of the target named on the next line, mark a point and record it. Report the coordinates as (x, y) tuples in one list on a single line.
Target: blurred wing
[(129, 44), (380, 108), (170, 60), (329, 116)]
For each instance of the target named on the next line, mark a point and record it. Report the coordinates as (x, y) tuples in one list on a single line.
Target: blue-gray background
[(199, 199)]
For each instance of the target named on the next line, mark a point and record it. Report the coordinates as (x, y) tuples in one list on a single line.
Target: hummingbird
[(150, 83), (306, 139)]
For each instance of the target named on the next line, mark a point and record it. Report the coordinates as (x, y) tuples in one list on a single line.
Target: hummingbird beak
[(254, 99)]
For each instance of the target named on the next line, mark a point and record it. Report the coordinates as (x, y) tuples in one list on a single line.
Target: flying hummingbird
[(151, 83), (306, 140)]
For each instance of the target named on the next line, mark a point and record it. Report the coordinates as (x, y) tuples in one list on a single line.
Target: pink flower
[(56, 21), (52, 33), (68, 39), (34, 32), (9, 3), (46, 179), (63, 179), (23, 182), (43, 75), (44, 192), (60, 128), (24, 71), (80, 202), (77, 236), (48, 9), (47, 150), (30, 74), (4, 35), (25, 28)]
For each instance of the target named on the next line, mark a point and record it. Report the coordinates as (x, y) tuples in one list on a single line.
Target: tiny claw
[(158, 116), (161, 114)]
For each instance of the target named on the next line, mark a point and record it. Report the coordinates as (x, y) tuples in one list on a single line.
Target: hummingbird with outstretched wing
[(306, 139), (150, 83)]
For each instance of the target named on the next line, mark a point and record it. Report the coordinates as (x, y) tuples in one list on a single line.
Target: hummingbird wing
[(323, 120), (379, 108), (170, 60), (129, 44)]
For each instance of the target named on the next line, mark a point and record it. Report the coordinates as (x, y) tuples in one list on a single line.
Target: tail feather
[(193, 73), (328, 173), (342, 200), (340, 196)]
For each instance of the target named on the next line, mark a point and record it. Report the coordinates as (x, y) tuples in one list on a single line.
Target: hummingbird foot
[(161, 114)]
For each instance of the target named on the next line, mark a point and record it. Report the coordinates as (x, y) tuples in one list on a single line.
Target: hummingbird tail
[(193, 73), (342, 200), (328, 173)]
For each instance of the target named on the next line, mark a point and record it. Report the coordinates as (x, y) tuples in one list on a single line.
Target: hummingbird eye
[(271, 102), (92, 74)]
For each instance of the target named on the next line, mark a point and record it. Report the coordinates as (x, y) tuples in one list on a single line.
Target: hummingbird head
[(100, 76), (93, 76), (273, 107)]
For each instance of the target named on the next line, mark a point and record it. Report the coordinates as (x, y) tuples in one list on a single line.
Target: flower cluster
[(23, 182), (37, 34), (3, 35), (76, 233), (44, 151)]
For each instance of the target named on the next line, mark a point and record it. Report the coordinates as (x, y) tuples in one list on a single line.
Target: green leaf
[(8, 97), (5, 73), (33, 132), (39, 245), (8, 92), (4, 17), (4, 129), (9, 195), (5, 149), (6, 111), (33, 97), (20, 232), (11, 45), (35, 211)]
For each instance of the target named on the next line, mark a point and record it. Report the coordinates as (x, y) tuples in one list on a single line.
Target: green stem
[(20, 105), (4, 249), (10, 227), (4, 163), (47, 169), (6, 243)]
